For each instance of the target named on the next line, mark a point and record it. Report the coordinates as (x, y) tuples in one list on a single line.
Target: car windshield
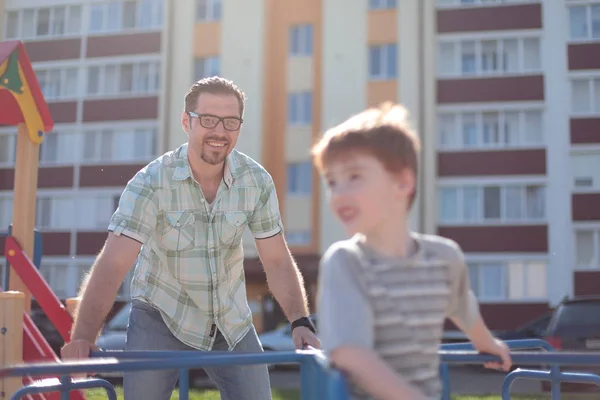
[(120, 320), (579, 314)]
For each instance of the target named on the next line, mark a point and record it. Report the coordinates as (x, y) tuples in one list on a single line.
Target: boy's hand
[(500, 349), (303, 337)]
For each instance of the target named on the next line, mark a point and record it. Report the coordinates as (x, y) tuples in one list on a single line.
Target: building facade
[(505, 95)]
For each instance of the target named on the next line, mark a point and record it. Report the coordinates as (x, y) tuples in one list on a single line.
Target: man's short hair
[(383, 132), (214, 85)]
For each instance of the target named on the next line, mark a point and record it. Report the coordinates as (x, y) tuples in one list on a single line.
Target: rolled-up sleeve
[(266, 218), (137, 213)]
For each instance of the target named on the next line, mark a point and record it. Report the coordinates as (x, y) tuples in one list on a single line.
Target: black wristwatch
[(304, 321)]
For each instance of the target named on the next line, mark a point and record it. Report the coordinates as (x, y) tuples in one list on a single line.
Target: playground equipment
[(318, 380), (22, 104)]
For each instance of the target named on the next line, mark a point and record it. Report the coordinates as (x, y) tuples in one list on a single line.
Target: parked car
[(575, 326), (534, 329), (280, 339)]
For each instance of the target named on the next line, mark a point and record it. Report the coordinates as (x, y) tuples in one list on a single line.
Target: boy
[(384, 294)]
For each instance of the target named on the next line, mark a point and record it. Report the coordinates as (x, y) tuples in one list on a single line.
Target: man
[(180, 221)]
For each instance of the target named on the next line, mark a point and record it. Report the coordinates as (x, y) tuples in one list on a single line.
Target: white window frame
[(303, 116), (39, 70), (291, 235), (305, 35), (456, 39), (595, 228), (590, 76), (588, 14), (457, 113), (382, 4), (156, 17), (214, 10), (479, 185), (155, 82), (209, 63), (385, 74), (441, 4), (505, 260), (583, 150), (51, 35), (11, 133)]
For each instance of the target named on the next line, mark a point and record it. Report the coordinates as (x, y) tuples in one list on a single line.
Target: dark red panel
[(90, 243), (585, 130), (120, 109), (587, 283), (585, 206), (53, 50), (48, 177), (495, 239), (63, 111), (477, 90), (116, 45), (584, 56), (526, 16), (488, 163), (107, 175)]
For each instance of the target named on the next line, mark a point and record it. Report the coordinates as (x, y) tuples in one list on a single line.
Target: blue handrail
[(318, 380)]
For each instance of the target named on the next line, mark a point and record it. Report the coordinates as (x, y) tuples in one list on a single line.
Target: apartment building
[(99, 65), (504, 93)]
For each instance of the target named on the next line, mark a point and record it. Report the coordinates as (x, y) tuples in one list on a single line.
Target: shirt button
[(123, 223), (178, 224)]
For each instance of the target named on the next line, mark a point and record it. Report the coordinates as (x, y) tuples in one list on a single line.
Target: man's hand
[(303, 337), (500, 349), (78, 349)]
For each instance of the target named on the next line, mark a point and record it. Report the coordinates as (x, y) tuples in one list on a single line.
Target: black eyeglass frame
[(219, 119)]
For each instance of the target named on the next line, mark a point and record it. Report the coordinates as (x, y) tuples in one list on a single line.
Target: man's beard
[(213, 157)]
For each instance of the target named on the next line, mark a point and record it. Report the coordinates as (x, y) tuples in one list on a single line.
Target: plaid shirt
[(190, 266)]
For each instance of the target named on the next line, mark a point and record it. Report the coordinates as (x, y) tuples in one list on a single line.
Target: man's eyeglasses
[(210, 121)]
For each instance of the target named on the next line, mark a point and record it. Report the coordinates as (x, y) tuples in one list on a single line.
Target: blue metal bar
[(65, 387), (575, 377), (184, 384), (445, 378), (523, 357), (512, 344)]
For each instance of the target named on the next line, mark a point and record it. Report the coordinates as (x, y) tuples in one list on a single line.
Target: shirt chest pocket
[(232, 226), (178, 230)]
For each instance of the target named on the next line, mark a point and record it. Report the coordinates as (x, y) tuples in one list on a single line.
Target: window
[(500, 280), (490, 130), (301, 40), (208, 10), (119, 15), (299, 178), (6, 209), (587, 248), (94, 211), (122, 144), (3, 272), (54, 212), (58, 83), (505, 204), (56, 274), (300, 108), (381, 4), (480, 3), (206, 67), (584, 22), (43, 22), (298, 238), (489, 57), (585, 96), (141, 77), (8, 148), (383, 61), (59, 147), (586, 171)]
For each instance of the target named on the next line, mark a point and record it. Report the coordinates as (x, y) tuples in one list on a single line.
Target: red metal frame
[(35, 346)]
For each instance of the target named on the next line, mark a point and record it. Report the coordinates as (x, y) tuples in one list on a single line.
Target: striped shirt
[(395, 307), (190, 266)]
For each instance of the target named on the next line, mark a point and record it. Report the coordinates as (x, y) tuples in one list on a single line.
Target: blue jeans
[(147, 331)]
